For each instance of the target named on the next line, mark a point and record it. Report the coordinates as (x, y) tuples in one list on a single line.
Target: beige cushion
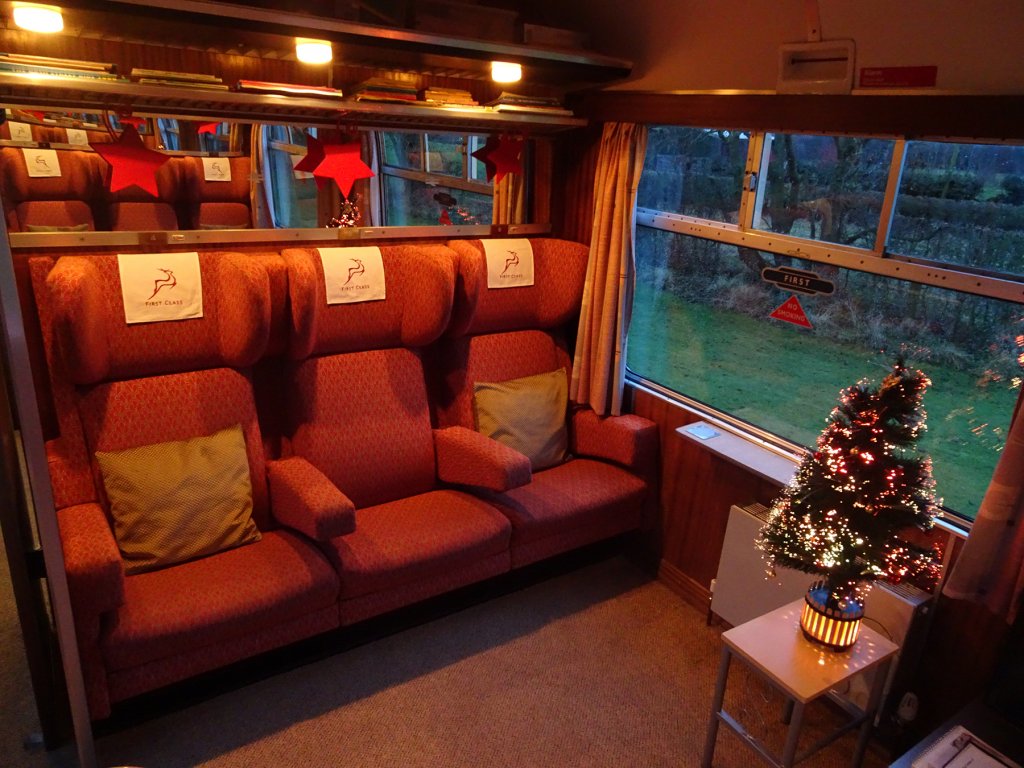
[(526, 414), (179, 500), (83, 227)]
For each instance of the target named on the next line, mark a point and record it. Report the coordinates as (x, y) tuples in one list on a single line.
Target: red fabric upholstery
[(70, 474), (629, 440), (490, 357), (362, 419), (69, 214), (96, 586), (126, 414), (419, 280), (580, 501), (466, 457), (218, 204), (413, 538), (155, 216), (303, 499), (190, 661), (560, 269), (97, 344), (217, 599), (280, 313)]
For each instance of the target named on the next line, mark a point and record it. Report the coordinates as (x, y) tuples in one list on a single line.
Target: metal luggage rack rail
[(88, 95)]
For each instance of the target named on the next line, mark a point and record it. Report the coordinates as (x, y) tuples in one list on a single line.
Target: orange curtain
[(990, 569), (600, 362), (509, 200)]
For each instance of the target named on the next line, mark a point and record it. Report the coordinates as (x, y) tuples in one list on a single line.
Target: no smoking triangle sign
[(792, 312)]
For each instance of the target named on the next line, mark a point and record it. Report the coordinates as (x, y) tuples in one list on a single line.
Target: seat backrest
[(54, 203), (145, 383), (219, 204), (358, 406), (497, 334), (133, 208)]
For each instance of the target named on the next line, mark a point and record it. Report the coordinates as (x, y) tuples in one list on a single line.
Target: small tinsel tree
[(842, 515)]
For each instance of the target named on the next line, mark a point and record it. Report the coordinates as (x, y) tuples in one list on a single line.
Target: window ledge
[(757, 459)]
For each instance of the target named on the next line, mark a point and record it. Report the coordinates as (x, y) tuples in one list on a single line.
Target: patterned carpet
[(598, 667)]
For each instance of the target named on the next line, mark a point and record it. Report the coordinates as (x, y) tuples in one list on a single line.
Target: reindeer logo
[(355, 271), (41, 162), (167, 281), (511, 261), (216, 169)]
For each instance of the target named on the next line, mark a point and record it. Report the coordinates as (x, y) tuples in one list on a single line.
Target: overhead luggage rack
[(89, 95)]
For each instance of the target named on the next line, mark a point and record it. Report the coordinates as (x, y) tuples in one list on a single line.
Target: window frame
[(878, 260)]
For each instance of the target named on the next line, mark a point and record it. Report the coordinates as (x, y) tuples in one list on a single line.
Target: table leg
[(716, 707), (787, 711), (874, 700), (793, 734)]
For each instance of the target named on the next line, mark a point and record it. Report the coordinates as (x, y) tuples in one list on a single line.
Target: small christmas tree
[(842, 515)]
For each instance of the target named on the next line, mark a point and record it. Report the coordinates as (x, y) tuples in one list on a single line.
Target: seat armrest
[(466, 457), (629, 440), (303, 498), (70, 475), (91, 559)]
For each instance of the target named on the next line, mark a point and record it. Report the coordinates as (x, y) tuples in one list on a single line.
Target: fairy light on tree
[(842, 516)]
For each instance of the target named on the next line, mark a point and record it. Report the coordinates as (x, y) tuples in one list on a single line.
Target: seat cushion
[(580, 493), (218, 599), (417, 537)]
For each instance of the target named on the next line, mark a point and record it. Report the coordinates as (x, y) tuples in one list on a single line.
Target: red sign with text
[(898, 77), (792, 312)]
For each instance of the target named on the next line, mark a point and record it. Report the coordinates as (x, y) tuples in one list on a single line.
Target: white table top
[(775, 644)]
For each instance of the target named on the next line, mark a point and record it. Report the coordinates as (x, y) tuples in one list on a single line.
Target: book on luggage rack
[(959, 748), (288, 89), (159, 74)]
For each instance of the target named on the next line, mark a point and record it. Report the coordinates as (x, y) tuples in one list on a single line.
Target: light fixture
[(834, 626), (506, 72), (313, 51), (38, 18)]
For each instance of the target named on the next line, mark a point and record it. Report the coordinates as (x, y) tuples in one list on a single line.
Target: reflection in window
[(825, 187), (430, 179), (693, 171), (293, 194), (962, 204), (701, 326)]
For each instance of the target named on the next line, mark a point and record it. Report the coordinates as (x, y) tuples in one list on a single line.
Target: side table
[(774, 646)]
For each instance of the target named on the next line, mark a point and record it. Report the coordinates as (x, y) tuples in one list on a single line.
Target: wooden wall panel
[(697, 489)]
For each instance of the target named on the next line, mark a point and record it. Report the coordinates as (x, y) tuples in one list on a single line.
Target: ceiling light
[(38, 18), (506, 72), (313, 51)]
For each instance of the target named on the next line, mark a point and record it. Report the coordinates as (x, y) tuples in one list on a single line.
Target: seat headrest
[(234, 191), (560, 270), (81, 177), (96, 344), (419, 281)]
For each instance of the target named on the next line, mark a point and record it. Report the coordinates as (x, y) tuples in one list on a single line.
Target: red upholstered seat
[(153, 382), (35, 203), (218, 204), (133, 208), (358, 411), (508, 333)]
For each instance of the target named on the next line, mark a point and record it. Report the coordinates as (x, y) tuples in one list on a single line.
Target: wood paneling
[(697, 490), (572, 207), (991, 117)]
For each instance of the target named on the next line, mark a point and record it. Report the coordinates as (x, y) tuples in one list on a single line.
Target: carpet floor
[(601, 666)]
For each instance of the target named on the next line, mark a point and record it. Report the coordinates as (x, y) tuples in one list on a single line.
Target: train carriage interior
[(473, 383)]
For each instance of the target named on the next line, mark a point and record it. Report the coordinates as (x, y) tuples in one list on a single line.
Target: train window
[(693, 171), (431, 179), (962, 204), (708, 321), (826, 188), (293, 194)]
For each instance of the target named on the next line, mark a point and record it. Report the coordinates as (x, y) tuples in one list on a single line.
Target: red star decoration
[(131, 162), (127, 118), (341, 162), (210, 128), (444, 218), (314, 156), (500, 156)]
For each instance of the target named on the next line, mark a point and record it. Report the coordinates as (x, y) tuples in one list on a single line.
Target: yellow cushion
[(526, 414), (179, 500)]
